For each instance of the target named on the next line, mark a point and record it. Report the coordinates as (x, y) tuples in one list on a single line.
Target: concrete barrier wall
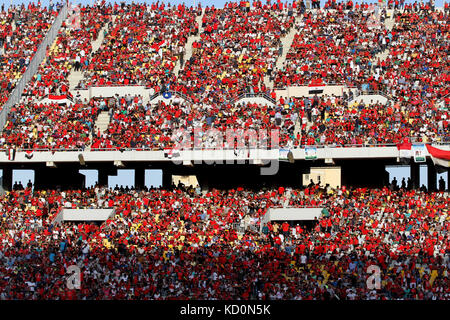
[(290, 214), (121, 91), (198, 155), (86, 214), (85, 94), (167, 101), (371, 98), (258, 100)]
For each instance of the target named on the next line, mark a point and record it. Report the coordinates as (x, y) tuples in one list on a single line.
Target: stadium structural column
[(103, 176), (7, 179), (448, 179), (432, 176), (139, 178), (166, 179), (415, 175)]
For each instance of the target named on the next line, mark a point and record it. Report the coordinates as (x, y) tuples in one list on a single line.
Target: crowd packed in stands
[(325, 120), (143, 46), (310, 121), (35, 126), (237, 49), (188, 243), (22, 29), (237, 52), (416, 71), (71, 51), (334, 122), (335, 47), (162, 126), (183, 243)]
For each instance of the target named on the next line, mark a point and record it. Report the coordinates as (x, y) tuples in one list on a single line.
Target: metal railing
[(444, 140), (442, 100), (33, 67), (254, 95), (361, 92), (232, 101), (283, 86)]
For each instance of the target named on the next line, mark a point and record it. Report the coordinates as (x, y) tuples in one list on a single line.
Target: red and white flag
[(29, 154), (440, 156), (316, 86), (405, 152)]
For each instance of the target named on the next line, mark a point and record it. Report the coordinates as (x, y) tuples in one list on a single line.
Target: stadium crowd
[(335, 47), (334, 122), (70, 52), (142, 47), (37, 126), (188, 243), (162, 126), (416, 70), (236, 50), (326, 120), (22, 28), (182, 243), (297, 122)]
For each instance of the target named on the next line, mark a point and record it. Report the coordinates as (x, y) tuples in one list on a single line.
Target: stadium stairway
[(298, 127), (189, 48), (389, 21), (389, 25), (287, 43), (101, 124), (75, 77), (287, 198)]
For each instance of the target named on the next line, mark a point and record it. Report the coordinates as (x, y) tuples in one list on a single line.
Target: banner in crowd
[(55, 97), (171, 153), (167, 95), (316, 86), (405, 152), (419, 152), (11, 152), (440, 157), (310, 153)]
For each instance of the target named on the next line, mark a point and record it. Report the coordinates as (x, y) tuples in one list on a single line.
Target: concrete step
[(382, 56), (97, 43), (188, 48), (74, 79), (287, 43), (101, 124), (298, 128), (309, 124), (389, 21), (287, 198), (267, 82)]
